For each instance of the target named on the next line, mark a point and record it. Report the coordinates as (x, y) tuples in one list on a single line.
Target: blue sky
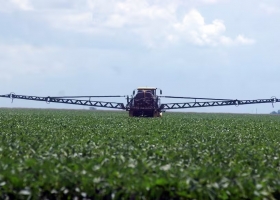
[(203, 48)]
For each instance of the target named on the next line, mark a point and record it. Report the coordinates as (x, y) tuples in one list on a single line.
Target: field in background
[(60, 153)]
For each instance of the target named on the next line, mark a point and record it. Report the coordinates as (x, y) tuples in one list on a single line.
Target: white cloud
[(156, 23), (69, 20), (12, 5), (22, 4), (194, 29), (240, 39), (269, 9), (160, 24)]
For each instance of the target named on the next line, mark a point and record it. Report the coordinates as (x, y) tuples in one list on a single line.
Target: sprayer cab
[(144, 102)]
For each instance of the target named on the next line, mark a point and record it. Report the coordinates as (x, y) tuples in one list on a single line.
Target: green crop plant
[(107, 155)]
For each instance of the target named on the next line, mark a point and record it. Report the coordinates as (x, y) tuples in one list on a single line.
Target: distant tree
[(92, 108), (274, 113)]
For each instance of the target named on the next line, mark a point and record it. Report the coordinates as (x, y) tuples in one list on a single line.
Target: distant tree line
[(275, 112)]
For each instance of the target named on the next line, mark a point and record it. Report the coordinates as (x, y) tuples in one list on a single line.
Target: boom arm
[(69, 100), (218, 102), (198, 102)]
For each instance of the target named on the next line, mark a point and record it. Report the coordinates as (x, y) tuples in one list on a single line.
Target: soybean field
[(75, 154)]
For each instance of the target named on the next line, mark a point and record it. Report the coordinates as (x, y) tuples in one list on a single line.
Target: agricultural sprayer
[(143, 102)]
